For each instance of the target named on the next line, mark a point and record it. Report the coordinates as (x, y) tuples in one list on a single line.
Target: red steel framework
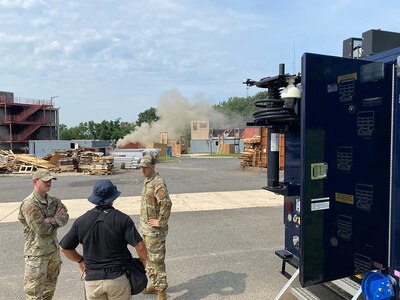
[(24, 117)]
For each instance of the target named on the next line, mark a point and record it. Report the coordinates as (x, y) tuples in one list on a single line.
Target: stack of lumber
[(18, 163), (3, 163), (77, 160), (55, 157), (250, 157), (66, 164), (101, 165), (7, 159), (25, 159), (85, 161)]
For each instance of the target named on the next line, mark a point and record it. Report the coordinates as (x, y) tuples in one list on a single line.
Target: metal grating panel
[(364, 196), (345, 227), (362, 263), (344, 158), (346, 90), (365, 123)]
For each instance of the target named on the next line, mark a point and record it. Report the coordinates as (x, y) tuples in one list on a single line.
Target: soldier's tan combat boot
[(150, 290), (162, 295)]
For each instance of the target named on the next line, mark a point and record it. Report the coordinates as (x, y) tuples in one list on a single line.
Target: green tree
[(74, 133), (105, 130), (114, 130), (148, 116), (64, 133), (240, 106), (92, 130)]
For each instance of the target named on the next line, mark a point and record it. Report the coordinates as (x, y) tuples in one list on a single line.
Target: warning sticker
[(351, 76), (344, 198), (274, 142), (319, 205)]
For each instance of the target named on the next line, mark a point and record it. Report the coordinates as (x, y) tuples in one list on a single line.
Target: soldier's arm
[(61, 217), (35, 220), (165, 203)]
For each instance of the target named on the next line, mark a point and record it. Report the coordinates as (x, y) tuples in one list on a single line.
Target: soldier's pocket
[(33, 267)]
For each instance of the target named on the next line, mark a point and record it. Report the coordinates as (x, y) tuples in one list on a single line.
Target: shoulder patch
[(161, 192)]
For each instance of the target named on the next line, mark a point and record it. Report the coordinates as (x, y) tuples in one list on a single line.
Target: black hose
[(268, 102), (277, 115)]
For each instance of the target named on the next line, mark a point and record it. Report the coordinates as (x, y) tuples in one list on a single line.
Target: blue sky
[(114, 59)]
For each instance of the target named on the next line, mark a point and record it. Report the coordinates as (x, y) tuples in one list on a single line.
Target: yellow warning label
[(351, 76), (344, 198)]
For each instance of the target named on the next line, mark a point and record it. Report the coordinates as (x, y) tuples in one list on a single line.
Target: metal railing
[(21, 100)]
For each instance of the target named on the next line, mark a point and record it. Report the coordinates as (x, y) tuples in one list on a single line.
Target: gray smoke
[(176, 114)]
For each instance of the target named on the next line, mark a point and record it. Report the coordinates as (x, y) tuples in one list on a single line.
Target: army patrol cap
[(147, 161), (43, 174)]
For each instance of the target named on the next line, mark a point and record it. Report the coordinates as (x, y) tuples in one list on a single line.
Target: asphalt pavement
[(223, 233), (184, 175)]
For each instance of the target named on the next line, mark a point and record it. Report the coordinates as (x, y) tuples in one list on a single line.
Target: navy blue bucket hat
[(104, 193)]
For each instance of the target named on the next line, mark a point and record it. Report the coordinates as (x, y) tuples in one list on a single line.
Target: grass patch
[(166, 159)]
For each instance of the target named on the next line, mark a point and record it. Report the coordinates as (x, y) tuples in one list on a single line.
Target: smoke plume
[(176, 114)]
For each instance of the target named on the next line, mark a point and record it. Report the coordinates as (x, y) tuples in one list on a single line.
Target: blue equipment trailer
[(341, 184)]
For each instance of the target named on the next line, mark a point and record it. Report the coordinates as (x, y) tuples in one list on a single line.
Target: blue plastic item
[(169, 151), (375, 285)]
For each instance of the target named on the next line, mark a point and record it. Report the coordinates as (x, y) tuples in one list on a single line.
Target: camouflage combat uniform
[(156, 204), (42, 258)]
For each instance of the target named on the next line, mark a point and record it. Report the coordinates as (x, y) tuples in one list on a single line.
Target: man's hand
[(51, 220), (59, 212), (82, 270), (153, 223)]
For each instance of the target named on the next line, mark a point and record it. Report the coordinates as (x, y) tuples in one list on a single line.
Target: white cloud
[(40, 22), (53, 46), (20, 3), (92, 52)]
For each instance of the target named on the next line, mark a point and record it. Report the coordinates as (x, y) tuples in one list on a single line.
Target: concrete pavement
[(221, 246), (185, 202), (224, 230)]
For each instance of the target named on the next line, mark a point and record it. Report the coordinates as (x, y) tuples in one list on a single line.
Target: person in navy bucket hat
[(105, 234), (104, 193)]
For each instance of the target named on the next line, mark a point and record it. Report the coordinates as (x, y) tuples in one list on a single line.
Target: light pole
[(52, 98), (57, 125)]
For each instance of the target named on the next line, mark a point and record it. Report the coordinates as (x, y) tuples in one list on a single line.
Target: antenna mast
[(294, 57)]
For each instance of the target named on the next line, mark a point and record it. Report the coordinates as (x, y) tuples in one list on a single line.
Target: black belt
[(106, 273)]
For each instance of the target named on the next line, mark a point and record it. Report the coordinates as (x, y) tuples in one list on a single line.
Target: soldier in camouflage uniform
[(41, 214), (153, 226)]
